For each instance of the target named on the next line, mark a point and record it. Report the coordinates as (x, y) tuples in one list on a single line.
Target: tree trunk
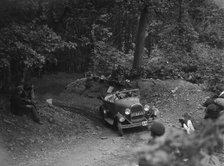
[(140, 39), (94, 51), (180, 31), (5, 79)]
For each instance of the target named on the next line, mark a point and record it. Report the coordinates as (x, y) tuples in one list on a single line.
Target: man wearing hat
[(157, 129), (21, 105), (214, 106)]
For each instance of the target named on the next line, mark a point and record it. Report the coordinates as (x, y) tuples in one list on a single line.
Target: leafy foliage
[(81, 35), (177, 148), (184, 40), (107, 56), (29, 46)]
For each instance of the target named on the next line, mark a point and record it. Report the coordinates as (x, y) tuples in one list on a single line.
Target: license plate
[(144, 123), (137, 113)]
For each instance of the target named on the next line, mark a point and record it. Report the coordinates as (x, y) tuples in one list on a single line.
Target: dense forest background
[(160, 39), (174, 39)]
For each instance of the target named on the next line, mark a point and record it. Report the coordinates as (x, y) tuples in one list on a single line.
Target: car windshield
[(128, 93), (122, 94)]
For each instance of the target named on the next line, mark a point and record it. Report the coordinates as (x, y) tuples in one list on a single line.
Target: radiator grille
[(136, 108), (137, 113)]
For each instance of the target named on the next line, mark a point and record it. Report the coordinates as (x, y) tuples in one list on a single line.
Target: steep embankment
[(174, 98)]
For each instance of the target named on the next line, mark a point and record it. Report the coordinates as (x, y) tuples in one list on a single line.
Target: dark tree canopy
[(83, 35)]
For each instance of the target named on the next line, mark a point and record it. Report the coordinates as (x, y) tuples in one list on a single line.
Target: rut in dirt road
[(82, 110)]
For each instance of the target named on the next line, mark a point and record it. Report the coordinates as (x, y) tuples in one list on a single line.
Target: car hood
[(127, 102)]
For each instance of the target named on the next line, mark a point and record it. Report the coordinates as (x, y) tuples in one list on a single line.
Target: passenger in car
[(111, 98)]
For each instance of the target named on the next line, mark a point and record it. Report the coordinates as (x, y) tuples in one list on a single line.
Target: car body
[(123, 110)]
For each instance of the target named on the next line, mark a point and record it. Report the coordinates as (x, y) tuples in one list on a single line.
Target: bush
[(179, 149), (202, 64), (106, 56)]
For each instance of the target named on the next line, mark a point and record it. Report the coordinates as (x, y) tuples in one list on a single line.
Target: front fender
[(156, 112), (118, 116)]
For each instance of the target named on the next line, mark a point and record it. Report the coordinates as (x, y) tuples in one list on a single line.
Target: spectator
[(186, 123), (157, 129), (213, 109), (29, 92), (21, 105)]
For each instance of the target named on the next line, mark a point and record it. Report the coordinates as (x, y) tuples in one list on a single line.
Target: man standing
[(157, 129)]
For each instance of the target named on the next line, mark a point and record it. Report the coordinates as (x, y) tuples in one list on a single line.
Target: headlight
[(146, 108), (127, 111), (121, 119)]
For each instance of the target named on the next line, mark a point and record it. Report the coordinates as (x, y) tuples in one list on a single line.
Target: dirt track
[(99, 146), (76, 136)]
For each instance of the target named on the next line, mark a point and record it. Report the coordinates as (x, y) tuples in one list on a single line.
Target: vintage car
[(123, 109)]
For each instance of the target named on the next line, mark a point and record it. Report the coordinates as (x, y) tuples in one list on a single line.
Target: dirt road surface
[(73, 133)]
